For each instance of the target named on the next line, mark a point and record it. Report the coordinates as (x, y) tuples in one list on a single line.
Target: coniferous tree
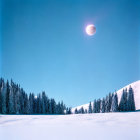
[(27, 106), (1, 83), (39, 104), (31, 103), (131, 101), (11, 105), (81, 110), (7, 96), (98, 106), (107, 104), (35, 105), (76, 111), (110, 101), (44, 102), (17, 99), (0, 101), (53, 106), (123, 102), (90, 108), (3, 98), (103, 105), (68, 110), (47, 104), (95, 106), (14, 88), (63, 107), (114, 106), (58, 108), (86, 111)]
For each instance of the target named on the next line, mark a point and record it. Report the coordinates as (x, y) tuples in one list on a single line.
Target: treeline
[(14, 100), (110, 103)]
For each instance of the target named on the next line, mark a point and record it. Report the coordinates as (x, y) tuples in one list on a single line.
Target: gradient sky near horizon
[(44, 46)]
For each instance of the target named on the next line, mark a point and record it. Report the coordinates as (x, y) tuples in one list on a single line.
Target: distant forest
[(110, 103), (14, 100)]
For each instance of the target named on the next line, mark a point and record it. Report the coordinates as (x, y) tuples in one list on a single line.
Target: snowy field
[(102, 126)]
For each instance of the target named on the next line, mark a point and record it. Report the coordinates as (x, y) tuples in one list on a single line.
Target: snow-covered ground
[(102, 126), (136, 88)]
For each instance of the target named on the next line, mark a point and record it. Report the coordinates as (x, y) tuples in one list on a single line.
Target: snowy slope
[(136, 88), (99, 126)]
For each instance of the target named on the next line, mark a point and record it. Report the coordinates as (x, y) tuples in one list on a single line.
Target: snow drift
[(97, 126)]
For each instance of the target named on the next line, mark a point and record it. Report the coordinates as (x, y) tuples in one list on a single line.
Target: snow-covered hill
[(136, 88)]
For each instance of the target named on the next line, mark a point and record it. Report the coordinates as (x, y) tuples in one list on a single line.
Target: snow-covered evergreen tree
[(44, 102), (86, 111), (81, 110), (7, 97), (1, 83), (98, 106), (131, 101), (35, 105), (107, 106), (17, 99), (11, 105), (3, 98), (90, 108), (31, 103), (53, 106), (68, 110), (39, 104), (103, 105), (114, 106), (26, 105), (110, 102), (76, 111), (95, 106), (123, 106)]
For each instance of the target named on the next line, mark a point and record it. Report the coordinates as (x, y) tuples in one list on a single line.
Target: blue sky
[(44, 47)]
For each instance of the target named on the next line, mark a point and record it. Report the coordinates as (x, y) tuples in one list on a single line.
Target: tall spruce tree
[(3, 98), (131, 101), (110, 101), (95, 106), (68, 110), (7, 97), (76, 111), (39, 104), (123, 106), (107, 106), (90, 108), (86, 111), (81, 110), (114, 106), (17, 99), (31, 103), (44, 102), (27, 106), (103, 105), (11, 105), (98, 106), (53, 106), (1, 83)]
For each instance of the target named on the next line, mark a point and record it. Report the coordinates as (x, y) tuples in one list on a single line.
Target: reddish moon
[(90, 29)]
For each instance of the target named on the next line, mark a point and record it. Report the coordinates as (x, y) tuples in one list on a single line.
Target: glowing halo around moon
[(90, 29)]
